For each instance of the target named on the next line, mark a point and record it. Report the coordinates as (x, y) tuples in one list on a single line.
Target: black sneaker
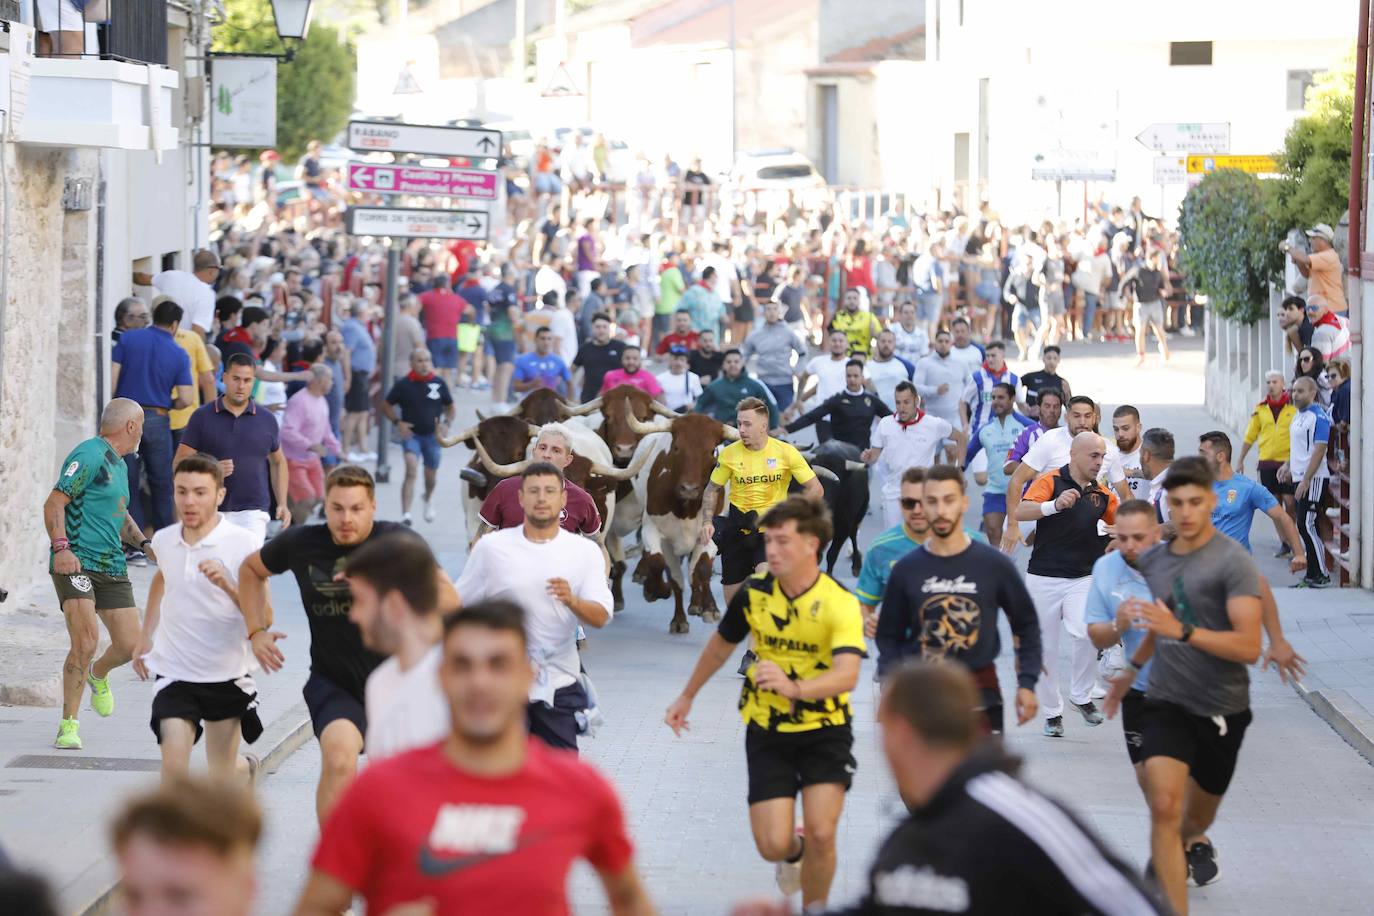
[(135, 557), (748, 659), (1054, 727), (1319, 582), (1202, 864), (1089, 711), (1284, 551)]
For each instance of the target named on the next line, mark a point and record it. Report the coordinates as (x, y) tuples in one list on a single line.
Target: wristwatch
[(1187, 632)]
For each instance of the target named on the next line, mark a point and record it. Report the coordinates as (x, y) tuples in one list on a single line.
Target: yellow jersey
[(860, 327), (800, 635), (758, 479)]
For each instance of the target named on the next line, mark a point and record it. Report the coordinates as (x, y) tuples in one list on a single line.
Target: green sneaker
[(67, 738), (102, 701)]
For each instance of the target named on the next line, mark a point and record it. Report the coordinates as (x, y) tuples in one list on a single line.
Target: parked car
[(768, 180)]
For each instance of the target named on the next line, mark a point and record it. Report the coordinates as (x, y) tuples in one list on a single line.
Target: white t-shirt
[(197, 299), (546, 279), (565, 329), (503, 565), (885, 375), (1130, 461), (405, 709), (679, 391), (1051, 452), (829, 373), (725, 272), (970, 356), (913, 344), (200, 636), (910, 445)]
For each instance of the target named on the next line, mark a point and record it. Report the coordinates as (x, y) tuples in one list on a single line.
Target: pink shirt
[(305, 423), (641, 380)]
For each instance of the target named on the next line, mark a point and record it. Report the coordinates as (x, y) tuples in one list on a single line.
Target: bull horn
[(459, 439), (581, 410), (563, 409), (663, 410), (731, 433), (623, 473), (639, 427), (822, 471), (499, 470), (480, 416), (855, 466)]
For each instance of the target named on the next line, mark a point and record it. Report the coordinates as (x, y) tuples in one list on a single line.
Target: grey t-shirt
[(1196, 587), (774, 344)]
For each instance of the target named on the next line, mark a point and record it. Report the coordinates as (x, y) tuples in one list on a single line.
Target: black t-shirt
[(1038, 381), (946, 608), (708, 367), (421, 402), (596, 360), (851, 416), (1148, 284), (1067, 543), (336, 645), (791, 297)]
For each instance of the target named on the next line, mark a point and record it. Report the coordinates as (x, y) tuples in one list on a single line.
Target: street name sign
[(415, 223), (1255, 165), (406, 179), (1171, 169), (1187, 137), (424, 139)]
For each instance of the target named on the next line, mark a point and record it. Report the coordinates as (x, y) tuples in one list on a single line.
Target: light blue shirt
[(886, 549), (997, 437), (1115, 580), (1238, 499), (362, 352)]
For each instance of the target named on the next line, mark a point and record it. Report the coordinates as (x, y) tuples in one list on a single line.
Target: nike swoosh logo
[(433, 865)]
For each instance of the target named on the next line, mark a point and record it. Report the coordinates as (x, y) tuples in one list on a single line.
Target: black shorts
[(743, 313), (355, 399), (556, 725), (1210, 746), (781, 764), (327, 701), (197, 703), (1269, 479), (741, 549), (1133, 717)]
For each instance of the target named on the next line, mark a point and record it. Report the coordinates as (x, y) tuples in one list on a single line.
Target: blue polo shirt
[(151, 364), (551, 369), (246, 440), (1115, 580), (1238, 499)]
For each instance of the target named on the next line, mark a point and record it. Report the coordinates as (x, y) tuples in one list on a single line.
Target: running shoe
[(67, 738), (406, 520), (1091, 715), (1319, 582), (102, 701), (1098, 692), (430, 514), (1284, 551), (789, 873), (135, 557), (745, 661), (1054, 727), (1202, 864)]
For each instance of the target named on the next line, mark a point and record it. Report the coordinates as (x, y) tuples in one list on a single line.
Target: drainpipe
[(4, 239), (1362, 452), (1355, 248)]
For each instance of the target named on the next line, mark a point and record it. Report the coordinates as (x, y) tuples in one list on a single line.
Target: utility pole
[(393, 279)]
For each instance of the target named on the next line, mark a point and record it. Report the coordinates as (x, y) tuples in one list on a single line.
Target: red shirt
[(442, 310), (463, 252), (688, 340), (641, 380), (501, 508), (415, 827)]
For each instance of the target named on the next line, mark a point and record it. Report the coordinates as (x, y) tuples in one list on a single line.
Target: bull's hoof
[(619, 603), (710, 615), (856, 562), (678, 625)]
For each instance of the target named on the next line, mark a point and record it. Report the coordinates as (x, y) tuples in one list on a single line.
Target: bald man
[(88, 524), (1072, 515)]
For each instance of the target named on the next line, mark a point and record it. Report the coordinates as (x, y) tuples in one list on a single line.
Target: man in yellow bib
[(758, 469)]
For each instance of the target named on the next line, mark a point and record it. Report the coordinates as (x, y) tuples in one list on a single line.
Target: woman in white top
[(272, 395)]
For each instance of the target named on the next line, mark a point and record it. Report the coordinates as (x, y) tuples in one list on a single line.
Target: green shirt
[(96, 481), (671, 286)]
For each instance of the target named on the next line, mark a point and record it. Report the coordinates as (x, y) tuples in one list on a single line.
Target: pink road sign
[(408, 179)]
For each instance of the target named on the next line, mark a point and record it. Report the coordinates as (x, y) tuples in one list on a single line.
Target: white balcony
[(108, 104)]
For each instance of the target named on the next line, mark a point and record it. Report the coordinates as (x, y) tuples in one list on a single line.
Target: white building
[(100, 177)]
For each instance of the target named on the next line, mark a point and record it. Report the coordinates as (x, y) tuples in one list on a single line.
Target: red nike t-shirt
[(501, 508), (415, 828)]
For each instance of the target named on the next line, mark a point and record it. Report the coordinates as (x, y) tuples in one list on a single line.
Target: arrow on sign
[(1187, 137), (474, 224), (486, 144)]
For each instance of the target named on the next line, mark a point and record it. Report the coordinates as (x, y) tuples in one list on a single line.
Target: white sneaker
[(368, 456), (430, 514), (355, 457), (789, 874), (406, 520), (1098, 692)]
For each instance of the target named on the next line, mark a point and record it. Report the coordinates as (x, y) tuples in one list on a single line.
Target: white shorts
[(58, 16), (254, 520), (979, 464), (1147, 312)]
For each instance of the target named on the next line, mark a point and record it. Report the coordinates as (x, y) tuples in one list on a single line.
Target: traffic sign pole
[(393, 280)]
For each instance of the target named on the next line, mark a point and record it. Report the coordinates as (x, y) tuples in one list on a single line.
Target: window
[(961, 157), (1190, 54), (1299, 81)]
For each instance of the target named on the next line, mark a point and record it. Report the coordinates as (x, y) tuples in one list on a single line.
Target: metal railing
[(125, 30), (1337, 545)]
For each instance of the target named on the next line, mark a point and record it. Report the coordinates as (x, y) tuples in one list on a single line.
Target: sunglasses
[(908, 503), (1304, 359)]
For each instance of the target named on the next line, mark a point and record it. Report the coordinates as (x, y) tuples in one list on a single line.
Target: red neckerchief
[(702, 284), (996, 375), (920, 414), (1329, 319), (1276, 405), (419, 378), (238, 335)]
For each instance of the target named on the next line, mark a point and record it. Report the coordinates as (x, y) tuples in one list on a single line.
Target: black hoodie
[(987, 845)]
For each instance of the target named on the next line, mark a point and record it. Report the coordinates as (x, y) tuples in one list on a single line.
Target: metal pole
[(393, 277), (519, 54), (734, 87)]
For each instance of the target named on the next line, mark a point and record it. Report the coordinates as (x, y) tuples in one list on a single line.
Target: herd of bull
[(646, 468)]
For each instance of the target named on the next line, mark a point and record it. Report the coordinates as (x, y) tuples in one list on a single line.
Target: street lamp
[(292, 18)]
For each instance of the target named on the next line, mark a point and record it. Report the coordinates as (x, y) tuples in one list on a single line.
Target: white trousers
[(1060, 605), (254, 520), (892, 512)]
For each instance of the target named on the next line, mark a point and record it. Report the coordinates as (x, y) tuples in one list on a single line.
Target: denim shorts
[(928, 306), (425, 447), (444, 350), (502, 350)]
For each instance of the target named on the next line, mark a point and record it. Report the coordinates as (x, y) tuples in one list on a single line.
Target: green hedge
[(1229, 249)]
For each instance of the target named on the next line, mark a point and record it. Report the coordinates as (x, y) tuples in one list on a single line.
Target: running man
[(890, 546), (192, 642), (1126, 429), (488, 815), (909, 438), (422, 407), (1202, 630), (501, 509), (1069, 509), (942, 601), (808, 632), (994, 440), (91, 502), (339, 662), (758, 469)]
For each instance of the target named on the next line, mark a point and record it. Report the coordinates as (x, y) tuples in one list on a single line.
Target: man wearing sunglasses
[(1330, 332)]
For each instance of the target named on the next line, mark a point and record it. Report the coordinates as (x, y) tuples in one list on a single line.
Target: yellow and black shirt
[(800, 635), (758, 479)]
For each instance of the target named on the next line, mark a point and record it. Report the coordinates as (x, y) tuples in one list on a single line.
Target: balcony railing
[(124, 30)]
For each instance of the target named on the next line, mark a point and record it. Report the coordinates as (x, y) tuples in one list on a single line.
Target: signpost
[(1255, 165), (424, 139), (1171, 170), (417, 223), (1187, 137), (406, 179)]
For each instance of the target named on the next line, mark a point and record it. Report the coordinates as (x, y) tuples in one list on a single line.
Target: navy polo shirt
[(151, 364), (246, 440)]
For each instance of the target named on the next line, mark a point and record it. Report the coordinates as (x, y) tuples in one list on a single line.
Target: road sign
[(416, 223), (1171, 170), (1187, 137), (406, 179), (1255, 165), (424, 139)]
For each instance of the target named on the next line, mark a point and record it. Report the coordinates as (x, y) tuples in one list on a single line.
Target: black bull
[(846, 497)]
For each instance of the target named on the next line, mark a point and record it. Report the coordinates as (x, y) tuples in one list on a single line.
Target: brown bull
[(505, 440), (615, 427)]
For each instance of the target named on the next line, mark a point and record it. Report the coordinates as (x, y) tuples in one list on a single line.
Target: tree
[(314, 91), (1315, 159), (1229, 243)]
